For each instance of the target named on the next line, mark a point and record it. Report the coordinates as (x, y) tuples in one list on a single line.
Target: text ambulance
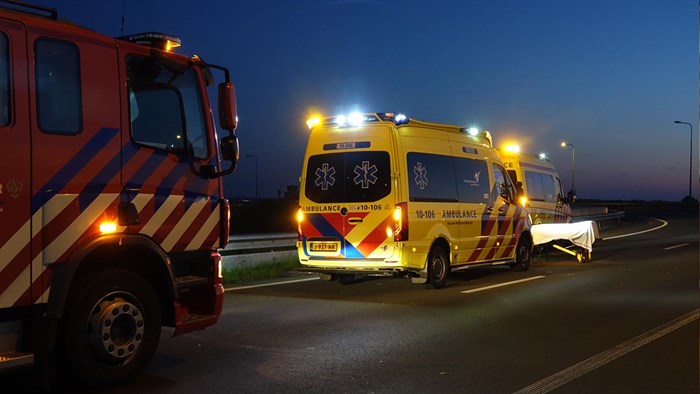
[(382, 194), (111, 201), (541, 187)]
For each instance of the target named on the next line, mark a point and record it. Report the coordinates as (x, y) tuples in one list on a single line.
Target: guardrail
[(255, 249), (601, 215)]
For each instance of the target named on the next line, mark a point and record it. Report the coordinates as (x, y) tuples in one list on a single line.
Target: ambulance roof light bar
[(356, 119), (482, 134), (153, 39)]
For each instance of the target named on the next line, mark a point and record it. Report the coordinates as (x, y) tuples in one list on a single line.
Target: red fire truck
[(111, 200)]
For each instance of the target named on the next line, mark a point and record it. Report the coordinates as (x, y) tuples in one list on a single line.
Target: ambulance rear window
[(361, 176)]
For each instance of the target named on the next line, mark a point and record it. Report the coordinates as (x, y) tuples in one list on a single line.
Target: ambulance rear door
[(348, 189)]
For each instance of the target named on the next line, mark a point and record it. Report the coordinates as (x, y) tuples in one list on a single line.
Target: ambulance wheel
[(438, 268), (111, 328), (346, 279), (523, 255)]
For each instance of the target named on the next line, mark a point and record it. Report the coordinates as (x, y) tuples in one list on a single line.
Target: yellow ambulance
[(382, 194), (539, 184)]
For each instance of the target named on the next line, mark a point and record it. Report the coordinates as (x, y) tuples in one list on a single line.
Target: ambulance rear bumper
[(356, 271)]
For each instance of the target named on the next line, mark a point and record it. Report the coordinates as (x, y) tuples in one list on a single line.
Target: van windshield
[(362, 176)]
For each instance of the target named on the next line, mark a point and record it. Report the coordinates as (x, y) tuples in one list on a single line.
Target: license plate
[(324, 246)]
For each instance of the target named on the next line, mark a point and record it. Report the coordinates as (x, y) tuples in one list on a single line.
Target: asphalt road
[(626, 322)]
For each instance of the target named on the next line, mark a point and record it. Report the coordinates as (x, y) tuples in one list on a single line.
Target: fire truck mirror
[(228, 114), (229, 148)]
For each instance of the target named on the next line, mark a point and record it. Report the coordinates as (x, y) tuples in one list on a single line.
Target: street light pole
[(573, 164), (256, 174), (690, 174)]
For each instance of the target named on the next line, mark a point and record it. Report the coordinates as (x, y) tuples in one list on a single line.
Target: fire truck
[(111, 195)]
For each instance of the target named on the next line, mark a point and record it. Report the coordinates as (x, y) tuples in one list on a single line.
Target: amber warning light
[(162, 41)]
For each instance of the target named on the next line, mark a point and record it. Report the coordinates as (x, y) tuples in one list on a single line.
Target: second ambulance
[(382, 194)]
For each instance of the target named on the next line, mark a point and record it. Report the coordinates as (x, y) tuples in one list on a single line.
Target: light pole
[(690, 174), (573, 164), (256, 174)]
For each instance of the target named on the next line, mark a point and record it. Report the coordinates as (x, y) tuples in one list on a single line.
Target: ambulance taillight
[(401, 222), (300, 218)]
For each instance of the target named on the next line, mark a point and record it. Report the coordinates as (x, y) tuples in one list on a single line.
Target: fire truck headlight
[(108, 227)]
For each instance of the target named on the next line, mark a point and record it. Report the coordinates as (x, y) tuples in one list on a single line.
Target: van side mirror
[(519, 189), (229, 149), (228, 113)]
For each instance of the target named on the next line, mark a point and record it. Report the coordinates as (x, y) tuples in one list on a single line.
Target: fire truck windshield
[(166, 107)]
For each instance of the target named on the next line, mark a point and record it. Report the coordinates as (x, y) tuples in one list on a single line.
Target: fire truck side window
[(165, 107), (4, 82), (59, 101)]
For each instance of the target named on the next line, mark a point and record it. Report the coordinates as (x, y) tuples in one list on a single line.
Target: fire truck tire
[(523, 255), (111, 328), (438, 268)]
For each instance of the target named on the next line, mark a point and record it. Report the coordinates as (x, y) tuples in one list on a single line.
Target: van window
[(542, 187), (502, 183), (165, 107), (361, 176), (5, 108), (59, 100), (431, 178), (535, 188), (472, 180)]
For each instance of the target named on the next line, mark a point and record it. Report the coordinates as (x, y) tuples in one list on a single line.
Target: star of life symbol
[(421, 175), (325, 176), (364, 175)]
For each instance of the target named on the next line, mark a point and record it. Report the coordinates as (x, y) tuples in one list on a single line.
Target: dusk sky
[(609, 76)]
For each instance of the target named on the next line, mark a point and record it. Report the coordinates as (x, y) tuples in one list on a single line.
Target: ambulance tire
[(523, 254), (438, 268), (112, 302)]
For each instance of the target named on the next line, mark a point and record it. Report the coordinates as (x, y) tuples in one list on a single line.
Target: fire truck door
[(76, 147), (167, 145), (15, 197)]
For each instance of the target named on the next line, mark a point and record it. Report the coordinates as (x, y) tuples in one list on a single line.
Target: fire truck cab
[(111, 199)]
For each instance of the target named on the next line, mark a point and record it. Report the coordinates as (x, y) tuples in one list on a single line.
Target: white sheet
[(581, 234)]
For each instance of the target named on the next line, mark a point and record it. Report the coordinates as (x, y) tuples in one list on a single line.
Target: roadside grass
[(273, 269)]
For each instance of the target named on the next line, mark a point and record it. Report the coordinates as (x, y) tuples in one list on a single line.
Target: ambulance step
[(11, 360)]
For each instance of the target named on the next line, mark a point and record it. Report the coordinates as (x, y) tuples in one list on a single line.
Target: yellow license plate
[(324, 246)]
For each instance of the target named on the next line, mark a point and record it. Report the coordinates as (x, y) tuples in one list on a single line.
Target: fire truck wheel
[(111, 328), (523, 255), (438, 268)]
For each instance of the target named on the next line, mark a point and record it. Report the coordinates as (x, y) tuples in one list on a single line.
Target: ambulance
[(384, 194), (539, 185)]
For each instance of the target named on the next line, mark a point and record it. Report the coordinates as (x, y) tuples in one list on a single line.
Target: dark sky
[(609, 76)]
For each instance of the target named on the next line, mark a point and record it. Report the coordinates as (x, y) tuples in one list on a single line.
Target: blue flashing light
[(400, 119)]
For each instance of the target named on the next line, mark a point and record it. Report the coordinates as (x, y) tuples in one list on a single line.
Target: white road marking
[(501, 284), (565, 376), (676, 246), (285, 282), (664, 224)]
